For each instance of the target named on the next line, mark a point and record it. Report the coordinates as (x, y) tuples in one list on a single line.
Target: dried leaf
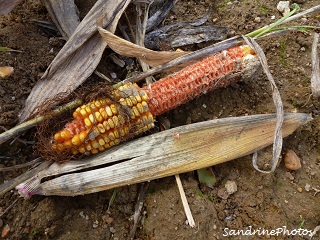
[(79, 57), (64, 15), (7, 5), (6, 71), (159, 155), (126, 48)]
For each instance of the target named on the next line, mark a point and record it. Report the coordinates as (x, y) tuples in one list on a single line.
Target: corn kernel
[(129, 102), (82, 149), (98, 117), (92, 118), (76, 140), (101, 148), (106, 125), (138, 98), (111, 123), (145, 106), (88, 109), (84, 113), (101, 128), (98, 104), (65, 134), (143, 95), (115, 121), (109, 111), (114, 109), (58, 138), (68, 144), (95, 144), (94, 151), (135, 111), (88, 147), (116, 133), (83, 135), (112, 143), (123, 102), (101, 141), (140, 108), (111, 136), (87, 122), (133, 100)]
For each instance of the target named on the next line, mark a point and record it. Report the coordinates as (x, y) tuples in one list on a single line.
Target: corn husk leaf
[(167, 153), (129, 49), (78, 58)]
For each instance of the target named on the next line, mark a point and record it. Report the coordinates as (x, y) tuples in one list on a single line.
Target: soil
[(262, 201)]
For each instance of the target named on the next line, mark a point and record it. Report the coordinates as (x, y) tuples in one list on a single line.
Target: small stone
[(273, 17), (222, 193), (231, 187), (299, 189), (292, 161), (112, 229), (257, 19), (5, 231), (289, 175), (307, 187), (283, 7), (303, 49), (107, 219)]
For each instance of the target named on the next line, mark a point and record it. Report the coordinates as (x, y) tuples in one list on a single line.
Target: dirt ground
[(270, 201)]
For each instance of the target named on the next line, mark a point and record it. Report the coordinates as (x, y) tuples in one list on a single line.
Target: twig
[(185, 202), (8, 208), (138, 208), (315, 78), (33, 162)]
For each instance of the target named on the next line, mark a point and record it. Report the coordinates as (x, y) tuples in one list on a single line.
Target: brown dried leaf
[(126, 48), (64, 15), (79, 57)]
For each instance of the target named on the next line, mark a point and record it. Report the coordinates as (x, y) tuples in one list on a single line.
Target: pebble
[(292, 161), (299, 189), (307, 187), (5, 231), (289, 175), (231, 187), (112, 229), (273, 17), (283, 7), (257, 19), (222, 193)]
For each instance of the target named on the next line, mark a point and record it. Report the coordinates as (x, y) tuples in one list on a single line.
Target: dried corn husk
[(167, 153)]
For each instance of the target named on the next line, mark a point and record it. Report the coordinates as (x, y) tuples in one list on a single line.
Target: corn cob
[(131, 111)]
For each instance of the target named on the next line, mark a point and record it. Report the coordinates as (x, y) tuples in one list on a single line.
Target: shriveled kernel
[(101, 128), (113, 108), (76, 140), (109, 111), (144, 95)]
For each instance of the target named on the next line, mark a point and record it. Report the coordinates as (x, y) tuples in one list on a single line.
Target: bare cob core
[(130, 110)]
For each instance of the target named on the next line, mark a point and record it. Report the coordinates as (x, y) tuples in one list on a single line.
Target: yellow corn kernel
[(98, 117), (114, 109), (109, 111), (106, 125), (129, 102), (107, 145), (123, 102), (106, 138), (115, 121), (83, 135), (88, 147), (76, 140), (133, 100), (82, 149), (121, 120), (65, 134), (84, 113), (101, 148), (144, 95), (117, 141), (88, 109), (94, 151), (98, 104), (87, 122), (101, 141), (140, 108), (111, 123), (75, 151), (111, 136), (116, 133), (112, 143), (135, 111), (58, 138), (138, 98), (122, 132), (103, 113), (95, 144), (101, 128), (145, 106), (76, 114), (92, 118), (68, 144)]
